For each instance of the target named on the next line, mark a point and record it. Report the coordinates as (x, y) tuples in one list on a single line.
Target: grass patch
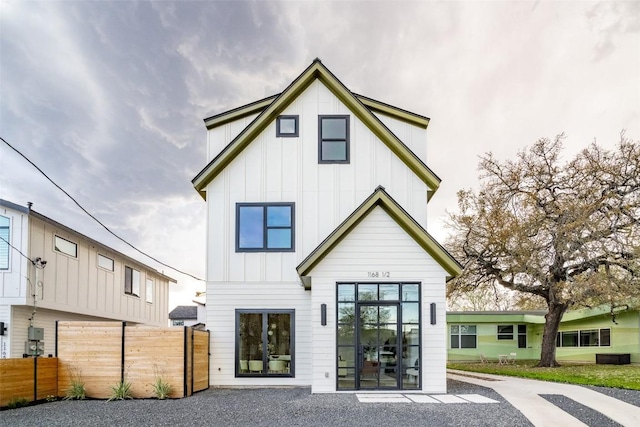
[(615, 376)]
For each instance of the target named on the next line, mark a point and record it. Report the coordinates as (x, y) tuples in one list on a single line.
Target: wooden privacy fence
[(101, 354), (31, 379)]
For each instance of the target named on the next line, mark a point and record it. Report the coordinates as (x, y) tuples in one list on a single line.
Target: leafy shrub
[(17, 402)]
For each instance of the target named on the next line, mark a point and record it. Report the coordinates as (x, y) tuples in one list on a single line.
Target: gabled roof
[(382, 199), (271, 107), (259, 106), (184, 312)]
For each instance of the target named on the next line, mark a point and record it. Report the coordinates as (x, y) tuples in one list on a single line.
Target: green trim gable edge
[(258, 106), (315, 71), (379, 198)]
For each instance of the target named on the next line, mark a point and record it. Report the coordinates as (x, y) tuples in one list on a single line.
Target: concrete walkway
[(524, 394)]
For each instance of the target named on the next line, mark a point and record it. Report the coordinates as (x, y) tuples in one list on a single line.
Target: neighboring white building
[(49, 272), (320, 271), (189, 315)]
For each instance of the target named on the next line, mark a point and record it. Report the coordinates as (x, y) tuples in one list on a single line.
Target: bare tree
[(566, 233)]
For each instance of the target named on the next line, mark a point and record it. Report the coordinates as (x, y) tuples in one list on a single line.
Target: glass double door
[(379, 361)]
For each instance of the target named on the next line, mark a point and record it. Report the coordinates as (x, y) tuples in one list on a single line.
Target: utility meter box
[(34, 348), (36, 334)]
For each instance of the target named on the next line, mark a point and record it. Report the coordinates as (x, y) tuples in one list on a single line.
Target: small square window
[(287, 126), (333, 139), (66, 247)]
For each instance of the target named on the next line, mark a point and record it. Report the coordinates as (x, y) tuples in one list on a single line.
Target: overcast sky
[(108, 97)]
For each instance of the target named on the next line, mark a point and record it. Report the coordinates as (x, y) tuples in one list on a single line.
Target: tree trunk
[(551, 326)]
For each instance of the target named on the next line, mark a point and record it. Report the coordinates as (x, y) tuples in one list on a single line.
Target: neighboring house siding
[(222, 301), (13, 280), (366, 249), (45, 319), (274, 169), (79, 285)]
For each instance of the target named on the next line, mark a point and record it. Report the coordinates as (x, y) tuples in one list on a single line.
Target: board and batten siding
[(45, 319), (79, 285), (13, 280), (274, 169), (223, 298), (378, 244)]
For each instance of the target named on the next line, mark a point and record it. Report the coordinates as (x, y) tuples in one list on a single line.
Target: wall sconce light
[(433, 313), (323, 314)]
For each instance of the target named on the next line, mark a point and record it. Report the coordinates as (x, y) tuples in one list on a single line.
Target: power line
[(14, 248), (96, 219)]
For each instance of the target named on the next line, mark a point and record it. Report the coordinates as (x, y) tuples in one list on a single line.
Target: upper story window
[(66, 247), (333, 139), (131, 281), (265, 227), (149, 291), (105, 262), (287, 126), (4, 243)]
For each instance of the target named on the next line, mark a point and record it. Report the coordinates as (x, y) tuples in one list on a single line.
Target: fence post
[(124, 324)]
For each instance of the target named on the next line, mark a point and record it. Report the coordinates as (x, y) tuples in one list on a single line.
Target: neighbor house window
[(131, 281), (287, 126), (265, 343), (177, 323), (463, 336), (149, 291), (522, 336), (66, 247), (105, 262), (505, 332), (584, 338), (4, 243), (264, 227), (333, 139)]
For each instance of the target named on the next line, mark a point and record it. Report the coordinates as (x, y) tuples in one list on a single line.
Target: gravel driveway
[(269, 407)]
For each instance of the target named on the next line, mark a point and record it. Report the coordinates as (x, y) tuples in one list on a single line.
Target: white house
[(320, 271), (49, 272), (189, 315)]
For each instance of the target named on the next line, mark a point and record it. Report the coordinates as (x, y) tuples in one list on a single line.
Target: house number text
[(378, 274)]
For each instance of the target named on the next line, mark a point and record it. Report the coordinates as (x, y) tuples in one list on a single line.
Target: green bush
[(17, 402)]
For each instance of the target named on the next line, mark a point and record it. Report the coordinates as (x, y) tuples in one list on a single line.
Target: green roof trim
[(316, 71), (382, 199)]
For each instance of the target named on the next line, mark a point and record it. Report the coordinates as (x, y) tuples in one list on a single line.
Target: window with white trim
[(131, 281), (505, 332), (4, 242), (149, 291), (463, 336), (65, 246), (105, 262), (584, 338)]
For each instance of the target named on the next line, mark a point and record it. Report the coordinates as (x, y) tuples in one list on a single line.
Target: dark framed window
[(4, 243), (131, 281), (65, 246), (333, 139), (287, 126), (505, 332), (265, 227), (463, 336), (584, 338), (522, 336), (265, 343)]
